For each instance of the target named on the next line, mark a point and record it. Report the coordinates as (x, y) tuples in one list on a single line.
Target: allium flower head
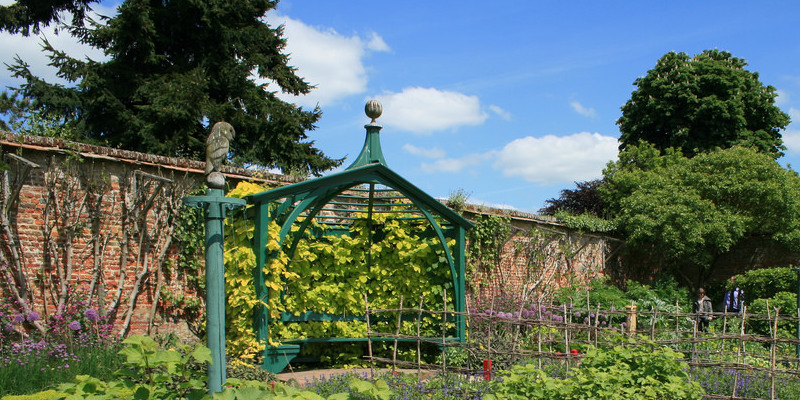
[(32, 316), (19, 318), (91, 314), (74, 325)]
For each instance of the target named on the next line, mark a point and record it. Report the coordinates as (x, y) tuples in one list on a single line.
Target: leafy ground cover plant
[(404, 386), (625, 371)]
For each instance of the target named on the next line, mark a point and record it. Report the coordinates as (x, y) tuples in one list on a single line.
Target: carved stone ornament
[(374, 109), (217, 146)]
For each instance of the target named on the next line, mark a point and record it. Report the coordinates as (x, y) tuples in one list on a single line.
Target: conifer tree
[(176, 67)]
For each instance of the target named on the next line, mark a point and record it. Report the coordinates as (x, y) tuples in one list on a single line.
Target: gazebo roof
[(369, 169)]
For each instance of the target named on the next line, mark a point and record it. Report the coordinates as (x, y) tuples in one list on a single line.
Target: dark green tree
[(700, 103), (687, 212), (175, 67), (28, 16)]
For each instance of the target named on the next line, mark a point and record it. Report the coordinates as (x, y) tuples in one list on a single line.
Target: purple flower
[(32, 316), (577, 314), (591, 315), (74, 325), (19, 318), (9, 327), (92, 315), (586, 320)]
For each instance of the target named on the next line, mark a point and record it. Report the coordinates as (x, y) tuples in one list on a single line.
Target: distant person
[(734, 298), (703, 309)]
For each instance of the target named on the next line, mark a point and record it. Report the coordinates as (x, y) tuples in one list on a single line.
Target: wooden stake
[(369, 338), (396, 335)]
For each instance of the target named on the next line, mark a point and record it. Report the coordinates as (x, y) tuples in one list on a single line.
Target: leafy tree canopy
[(174, 67), (689, 211), (700, 103)]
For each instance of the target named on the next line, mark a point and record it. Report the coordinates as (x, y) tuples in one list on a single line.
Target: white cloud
[(376, 43), (427, 153), (794, 114), (791, 139), (325, 58), (781, 98), (553, 159), (500, 112), (580, 109), (29, 49), (483, 203), (456, 164), (425, 110)]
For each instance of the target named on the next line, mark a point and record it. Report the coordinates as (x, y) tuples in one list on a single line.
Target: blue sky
[(509, 101)]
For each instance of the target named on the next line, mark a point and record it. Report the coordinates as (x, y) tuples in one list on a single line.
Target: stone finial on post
[(215, 204), (217, 147)]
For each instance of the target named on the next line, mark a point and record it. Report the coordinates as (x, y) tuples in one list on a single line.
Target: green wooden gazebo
[(366, 187)]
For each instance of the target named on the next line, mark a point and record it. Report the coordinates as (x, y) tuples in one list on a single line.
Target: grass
[(30, 367)]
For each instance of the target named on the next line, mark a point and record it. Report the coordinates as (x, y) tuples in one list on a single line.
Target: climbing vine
[(385, 257), (188, 267), (486, 242)]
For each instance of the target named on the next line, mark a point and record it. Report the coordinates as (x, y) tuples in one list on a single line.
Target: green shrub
[(765, 283), (661, 294), (786, 301), (628, 371)]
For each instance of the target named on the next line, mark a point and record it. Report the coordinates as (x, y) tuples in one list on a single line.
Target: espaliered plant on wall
[(385, 257)]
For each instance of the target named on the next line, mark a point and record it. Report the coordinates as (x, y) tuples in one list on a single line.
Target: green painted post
[(215, 204)]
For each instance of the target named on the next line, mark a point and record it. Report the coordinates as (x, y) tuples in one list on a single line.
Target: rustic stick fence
[(741, 344)]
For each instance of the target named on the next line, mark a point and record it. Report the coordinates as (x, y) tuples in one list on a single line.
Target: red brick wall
[(60, 243), (540, 256)]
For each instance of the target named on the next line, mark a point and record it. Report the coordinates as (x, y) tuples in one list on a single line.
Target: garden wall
[(88, 224), (540, 255), (79, 220)]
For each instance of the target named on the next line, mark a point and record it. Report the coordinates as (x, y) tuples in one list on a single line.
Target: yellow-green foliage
[(330, 272), (240, 261), (46, 395)]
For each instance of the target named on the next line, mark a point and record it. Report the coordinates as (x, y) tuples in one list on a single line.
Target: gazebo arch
[(365, 188)]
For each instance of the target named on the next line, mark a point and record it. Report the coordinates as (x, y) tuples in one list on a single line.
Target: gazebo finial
[(373, 109), (371, 153)]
